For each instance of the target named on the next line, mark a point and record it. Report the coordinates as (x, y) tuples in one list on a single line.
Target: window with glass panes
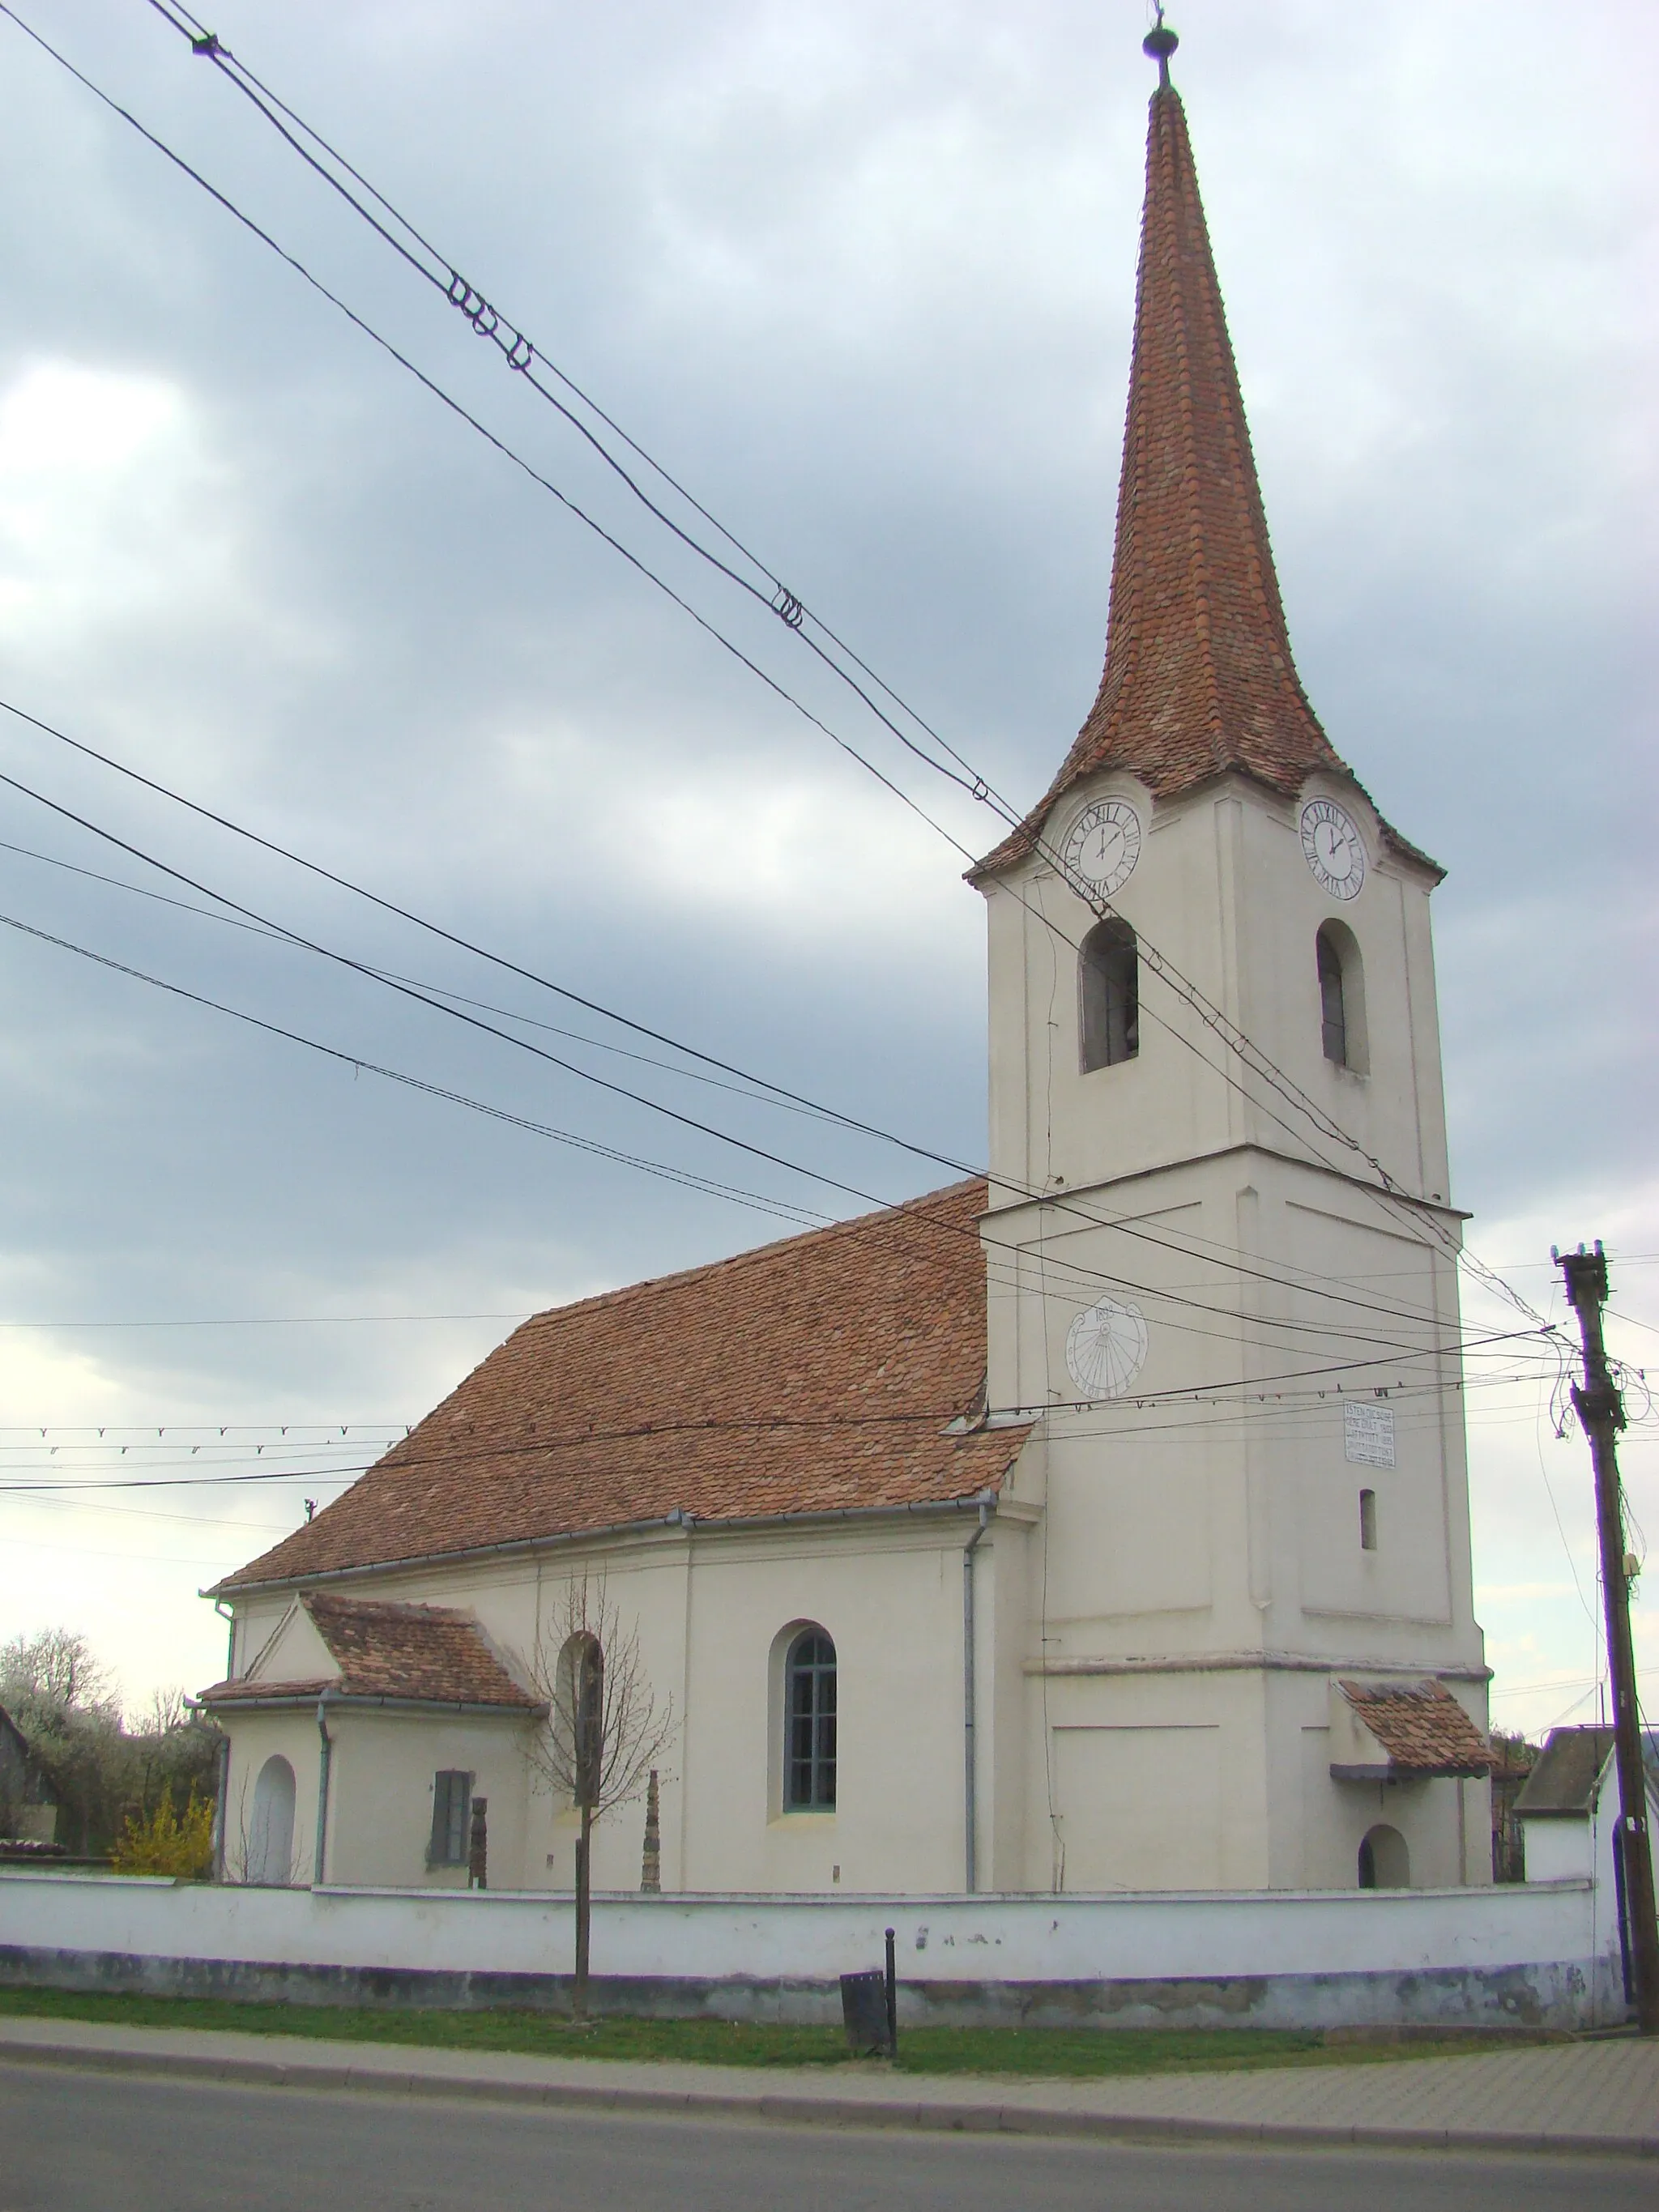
[(810, 1723), (452, 1808)]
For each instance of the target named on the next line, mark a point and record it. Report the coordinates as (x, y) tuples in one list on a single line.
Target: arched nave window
[(808, 1725), (1108, 978), (580, 1715), (1341, 997)]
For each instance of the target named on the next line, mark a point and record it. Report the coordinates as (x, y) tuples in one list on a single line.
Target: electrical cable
[(749, 1198), (264, 925), (570, 1068), (520, 353), (1258, 1062)]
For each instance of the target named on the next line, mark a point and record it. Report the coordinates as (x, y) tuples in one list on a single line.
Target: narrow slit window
[(1109, 976), (452, 1810), (1333, 1001), (809, 1749), (1368, 1520)]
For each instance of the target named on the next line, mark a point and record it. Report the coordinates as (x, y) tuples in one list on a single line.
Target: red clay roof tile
[(1199, 677), (817, 1374), (1422, 1728), (425, 1653)]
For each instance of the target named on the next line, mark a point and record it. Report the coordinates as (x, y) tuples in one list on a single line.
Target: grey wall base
[(1560, 1996)]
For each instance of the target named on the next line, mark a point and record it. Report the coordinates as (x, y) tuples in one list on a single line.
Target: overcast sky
[(864, 278)]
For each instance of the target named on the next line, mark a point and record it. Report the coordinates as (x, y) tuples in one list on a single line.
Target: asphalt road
[(72, 2142)]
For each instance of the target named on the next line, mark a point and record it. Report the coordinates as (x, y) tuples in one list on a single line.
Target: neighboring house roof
[(1199, 677), (1564, 1782), (1422, 1728), (19, 1766), (404, 1653), (817, 1375)]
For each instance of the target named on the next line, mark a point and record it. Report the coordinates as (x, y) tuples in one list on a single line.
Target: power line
[(265, 1321), (281, 932), (567, 1065), (521, 354), (416, 1083), (407, 1457), (278, 936), (1258, 1062)]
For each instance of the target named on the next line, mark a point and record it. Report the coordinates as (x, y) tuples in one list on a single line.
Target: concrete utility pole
[(1601, 1409)]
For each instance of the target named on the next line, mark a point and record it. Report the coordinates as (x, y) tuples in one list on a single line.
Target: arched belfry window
[(1341, 997), (809, 1724), (1108, 977)]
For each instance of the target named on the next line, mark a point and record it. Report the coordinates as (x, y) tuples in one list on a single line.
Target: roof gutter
[(298, 1700), (519, 1547)]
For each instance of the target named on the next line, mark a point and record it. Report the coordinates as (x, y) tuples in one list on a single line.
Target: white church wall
[(1223, 891), (255, 1738), (1516, 1954), (890, 1599), (1009, 1752), (381, 1779), (712, 1613)]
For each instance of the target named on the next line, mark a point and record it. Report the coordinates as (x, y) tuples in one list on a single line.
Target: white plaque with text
[(1368, 1433)]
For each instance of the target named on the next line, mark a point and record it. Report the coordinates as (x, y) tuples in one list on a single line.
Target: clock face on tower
[(1335, 850), (1104, 844), (1106, 1348)]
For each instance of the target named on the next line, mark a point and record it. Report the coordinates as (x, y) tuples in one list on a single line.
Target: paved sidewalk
[(1598, 2098)]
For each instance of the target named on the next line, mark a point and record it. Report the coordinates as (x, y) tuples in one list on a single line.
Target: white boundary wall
[(1539, 1954)]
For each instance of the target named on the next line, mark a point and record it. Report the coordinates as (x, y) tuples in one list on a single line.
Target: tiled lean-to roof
[(420, 1654), (819, 1375), (1199, 677), (1422, 1728)]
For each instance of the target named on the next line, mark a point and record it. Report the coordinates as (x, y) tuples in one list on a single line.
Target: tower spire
[(1199, 677), (1160, 42)]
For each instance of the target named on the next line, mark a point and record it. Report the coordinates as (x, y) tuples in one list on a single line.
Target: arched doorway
[(1384, 1861), (270, 1835)]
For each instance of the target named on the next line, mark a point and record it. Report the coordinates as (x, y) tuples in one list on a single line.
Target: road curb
[(819, 2112)]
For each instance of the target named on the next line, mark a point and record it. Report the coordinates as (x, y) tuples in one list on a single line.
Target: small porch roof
[(1404, 1732), (397, 1656)]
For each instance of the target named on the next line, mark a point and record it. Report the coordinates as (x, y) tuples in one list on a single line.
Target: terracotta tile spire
[(1199, 676)]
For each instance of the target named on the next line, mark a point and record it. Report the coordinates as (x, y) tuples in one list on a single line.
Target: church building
[(1099, 1526)]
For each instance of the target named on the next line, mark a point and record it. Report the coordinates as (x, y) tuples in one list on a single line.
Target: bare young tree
[(604, 1730)]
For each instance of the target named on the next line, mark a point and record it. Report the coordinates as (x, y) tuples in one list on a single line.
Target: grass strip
[(1054, 2053)]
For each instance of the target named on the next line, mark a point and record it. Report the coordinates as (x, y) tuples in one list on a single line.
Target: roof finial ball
[(1160, 42)]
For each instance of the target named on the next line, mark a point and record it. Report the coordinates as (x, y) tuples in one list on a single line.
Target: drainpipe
[(323, 1764), (219, 1809), (986, 1504), (225, 1613)]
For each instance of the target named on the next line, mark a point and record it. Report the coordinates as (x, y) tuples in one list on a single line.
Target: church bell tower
[(1220, 1244)]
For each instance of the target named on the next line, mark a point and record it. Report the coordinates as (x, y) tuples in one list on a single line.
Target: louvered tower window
[(1109, 981)]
